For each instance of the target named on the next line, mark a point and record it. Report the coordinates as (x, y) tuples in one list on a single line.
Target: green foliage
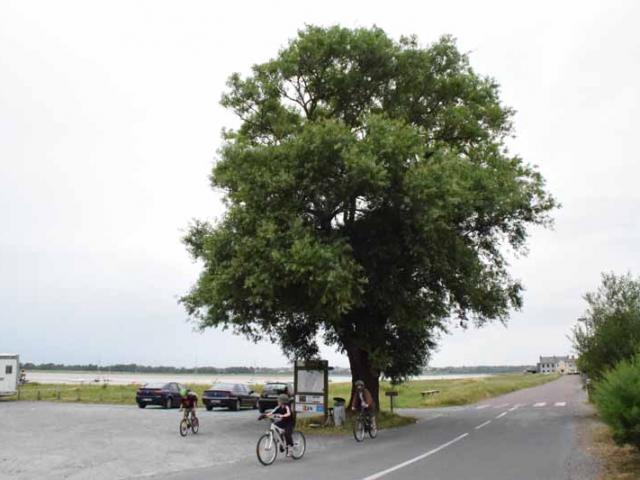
[(610, 330), (370, 197), (617, 397)]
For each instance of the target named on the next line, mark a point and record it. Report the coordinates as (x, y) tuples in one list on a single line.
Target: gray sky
[(109, 123)]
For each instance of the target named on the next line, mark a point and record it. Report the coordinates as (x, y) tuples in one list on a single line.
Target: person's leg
[(371, 417), (288, 434), (280, 424)]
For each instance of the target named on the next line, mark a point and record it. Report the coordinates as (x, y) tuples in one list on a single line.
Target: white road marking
[(513, 408), (502, 406), (483, 424), (416, 459), (480, 407), (501, 415), (540, 404), (561, 404)]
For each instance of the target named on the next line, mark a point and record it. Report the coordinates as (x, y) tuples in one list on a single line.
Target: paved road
[(111, 442), (532, 434), (526, 435)]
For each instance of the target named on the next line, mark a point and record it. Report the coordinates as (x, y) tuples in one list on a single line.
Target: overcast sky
[(109, 125)]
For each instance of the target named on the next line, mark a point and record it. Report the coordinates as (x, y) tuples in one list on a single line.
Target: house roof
[(554, 359)]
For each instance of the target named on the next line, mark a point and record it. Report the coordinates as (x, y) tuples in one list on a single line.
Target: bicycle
[(189, 422), (364, 423), (330, 421), (273, 440)]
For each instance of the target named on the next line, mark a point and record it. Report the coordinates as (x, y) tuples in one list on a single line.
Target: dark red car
[(166, 395)]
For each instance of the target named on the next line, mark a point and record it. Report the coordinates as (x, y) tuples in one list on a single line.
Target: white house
[(566, 364)]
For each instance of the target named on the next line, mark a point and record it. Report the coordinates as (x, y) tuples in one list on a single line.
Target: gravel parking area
[(81, 441)]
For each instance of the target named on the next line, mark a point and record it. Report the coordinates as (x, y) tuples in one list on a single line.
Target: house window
[(8, 369)]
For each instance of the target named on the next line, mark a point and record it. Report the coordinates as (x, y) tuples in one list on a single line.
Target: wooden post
[(38, 395), (57, 392), (78, 394), (391, 394)]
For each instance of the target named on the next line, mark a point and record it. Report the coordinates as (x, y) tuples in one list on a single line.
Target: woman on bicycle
[(286, 422), (363, 400)]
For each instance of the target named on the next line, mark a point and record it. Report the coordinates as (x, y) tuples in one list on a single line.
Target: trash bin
[(339, 414)]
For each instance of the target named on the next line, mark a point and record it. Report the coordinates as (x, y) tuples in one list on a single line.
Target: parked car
[(269, 397), (165, 394), (230, 395)]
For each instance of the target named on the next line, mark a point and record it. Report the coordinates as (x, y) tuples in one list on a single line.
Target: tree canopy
[(609, 332), (370, 199)]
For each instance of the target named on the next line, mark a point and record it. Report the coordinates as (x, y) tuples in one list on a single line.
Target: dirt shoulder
[(616, 462)]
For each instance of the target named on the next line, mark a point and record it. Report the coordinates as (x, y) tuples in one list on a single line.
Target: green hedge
[(617, 397)]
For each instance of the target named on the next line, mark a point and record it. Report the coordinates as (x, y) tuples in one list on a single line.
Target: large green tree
[(370, 198), (609, 332)]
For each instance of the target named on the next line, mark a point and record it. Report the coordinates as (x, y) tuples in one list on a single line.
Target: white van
[(9, 373)]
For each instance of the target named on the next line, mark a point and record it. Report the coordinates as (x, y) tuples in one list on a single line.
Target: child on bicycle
[(188, 402), (363, 400), (286, 421)]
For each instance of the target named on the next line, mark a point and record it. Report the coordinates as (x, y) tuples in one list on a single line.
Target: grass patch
[(91, 393), (618, 463), (453, 392), (385, 420)]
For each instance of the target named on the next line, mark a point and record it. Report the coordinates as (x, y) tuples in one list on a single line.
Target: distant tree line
[(135, 368)]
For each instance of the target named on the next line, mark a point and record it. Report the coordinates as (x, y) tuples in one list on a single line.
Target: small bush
[(617, 397)]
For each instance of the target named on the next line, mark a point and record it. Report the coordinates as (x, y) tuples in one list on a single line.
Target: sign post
[(311, 386), (391, 394)]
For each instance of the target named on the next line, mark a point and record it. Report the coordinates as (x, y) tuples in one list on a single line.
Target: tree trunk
[(361, 369)]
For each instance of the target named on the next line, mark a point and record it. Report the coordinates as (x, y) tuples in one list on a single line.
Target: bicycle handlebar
[(273, 418)]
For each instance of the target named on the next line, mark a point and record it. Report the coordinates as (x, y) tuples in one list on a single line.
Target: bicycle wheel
[(299, 445), (184, 427), (195, 425), (373, 428), (266, 449), (358, 430)]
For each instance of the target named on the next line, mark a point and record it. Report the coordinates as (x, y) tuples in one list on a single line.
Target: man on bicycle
[(363, 400), (286, 422), (188, 402)]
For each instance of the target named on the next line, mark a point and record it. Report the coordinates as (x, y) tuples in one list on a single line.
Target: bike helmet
[(359, 384), (183, 392), (283, 397)]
